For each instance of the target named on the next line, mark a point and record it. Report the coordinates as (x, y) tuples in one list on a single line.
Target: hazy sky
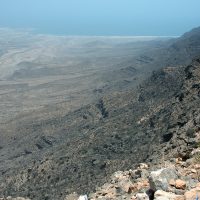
[(102, 17)]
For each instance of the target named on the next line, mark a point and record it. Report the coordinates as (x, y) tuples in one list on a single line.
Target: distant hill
[(172, 52), (186, 47)]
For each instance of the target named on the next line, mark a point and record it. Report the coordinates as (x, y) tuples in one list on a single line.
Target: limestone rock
[(193, 170), (142, 196), (83, 197), (162, 195), (159, 180), (172, 182), (126, 185), (192, 194), (197, 166), (180, 184)]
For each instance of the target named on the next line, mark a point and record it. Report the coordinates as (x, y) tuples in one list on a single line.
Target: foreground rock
[(124, 185), (193, 193), (180, 184), (159, 180), (162, 195), (171, 183)]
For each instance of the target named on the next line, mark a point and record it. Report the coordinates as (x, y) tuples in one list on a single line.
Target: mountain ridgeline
[(50, 157)]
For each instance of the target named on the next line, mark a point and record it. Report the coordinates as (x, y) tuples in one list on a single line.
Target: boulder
[(162, 195), (192, 194), (197, 166), (159, 180), (83, 197), (193, 170), (180, 184), (144, 173), (126, 185), (172, 182), (142, 196), (143, 184)]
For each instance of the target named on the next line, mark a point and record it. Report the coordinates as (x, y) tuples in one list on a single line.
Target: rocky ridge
[(176, 181), (158, 122)]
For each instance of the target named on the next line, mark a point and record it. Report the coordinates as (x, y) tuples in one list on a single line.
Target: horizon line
[(34, 31)]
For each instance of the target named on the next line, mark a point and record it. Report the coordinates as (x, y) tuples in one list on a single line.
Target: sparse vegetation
[(197, 157), (77, 148)]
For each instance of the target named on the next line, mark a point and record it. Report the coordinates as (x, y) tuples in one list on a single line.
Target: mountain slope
[(160, 118), (176, 52), (51, 152)]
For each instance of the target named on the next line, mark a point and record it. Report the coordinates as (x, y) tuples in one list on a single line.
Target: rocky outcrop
[(171, 183), (124, 184)]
